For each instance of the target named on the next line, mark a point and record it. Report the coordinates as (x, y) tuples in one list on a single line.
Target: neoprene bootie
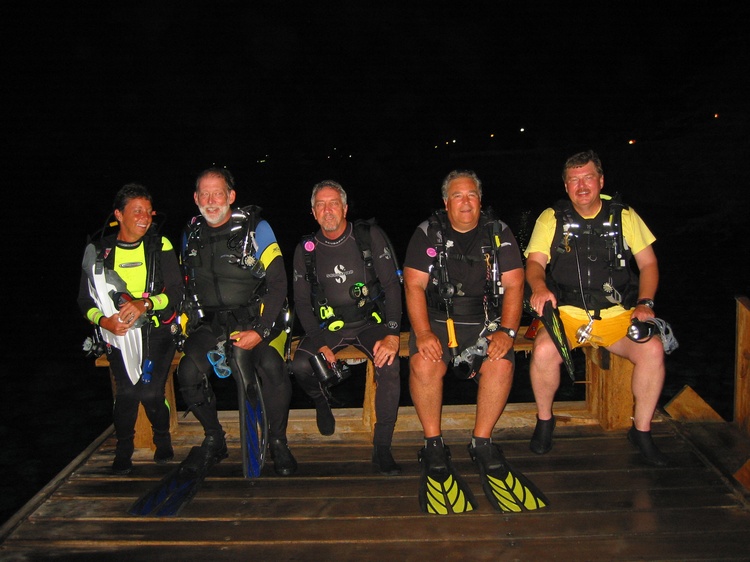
[(284, 463), (383, 460), (164, 451), (324, 416), (650, 453), (122, 464), (541, 440)]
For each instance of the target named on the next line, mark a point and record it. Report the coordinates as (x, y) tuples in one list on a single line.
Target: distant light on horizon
[(523, 129), (631, 141), (716, 115)]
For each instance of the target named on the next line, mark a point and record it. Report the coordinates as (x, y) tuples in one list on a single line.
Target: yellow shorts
[(612, 327)]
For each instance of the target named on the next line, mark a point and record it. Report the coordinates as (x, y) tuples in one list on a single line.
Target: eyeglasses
[(218, 196), (334, 204), (576, 180)]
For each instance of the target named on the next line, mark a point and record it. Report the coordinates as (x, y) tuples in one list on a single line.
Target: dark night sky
[(96, 94), (101, 94), (164, 90)]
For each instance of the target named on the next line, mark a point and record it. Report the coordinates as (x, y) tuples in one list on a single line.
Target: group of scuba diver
[(223, 304)]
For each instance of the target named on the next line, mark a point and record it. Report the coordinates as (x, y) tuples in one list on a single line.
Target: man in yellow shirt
[(579, 259)]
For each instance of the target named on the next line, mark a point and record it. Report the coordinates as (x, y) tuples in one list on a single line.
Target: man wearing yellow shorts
[(579, 258)]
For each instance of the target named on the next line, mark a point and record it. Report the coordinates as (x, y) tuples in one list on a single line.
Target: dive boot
[(650, 453), (324, 416), (123, 464), (383, 460), (163, 454), (284, 463), (215, 446), (541, 440), (164, 451)]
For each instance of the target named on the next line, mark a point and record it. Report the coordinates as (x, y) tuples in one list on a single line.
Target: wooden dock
[(604, 504)]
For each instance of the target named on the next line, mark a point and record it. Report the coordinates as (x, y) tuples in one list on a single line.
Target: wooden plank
[(722, 445), (687, 405), (398, 498), (743, 475), (326, 479), (491, 547), (742, 366), (494, 546), (327, 526)]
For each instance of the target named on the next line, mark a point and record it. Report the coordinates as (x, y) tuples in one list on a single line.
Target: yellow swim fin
[(506, 489), (441, 490)]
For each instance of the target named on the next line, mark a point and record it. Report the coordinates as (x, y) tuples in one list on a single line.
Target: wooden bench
[(609, 398)]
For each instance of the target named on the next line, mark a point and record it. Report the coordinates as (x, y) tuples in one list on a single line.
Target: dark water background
[(689, 189)]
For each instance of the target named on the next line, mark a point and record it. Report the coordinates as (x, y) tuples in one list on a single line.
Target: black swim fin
[(441, 489), (253, 421), (551, 320), (177, 488), (506, 489)]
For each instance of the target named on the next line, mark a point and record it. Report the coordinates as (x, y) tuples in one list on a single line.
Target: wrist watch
[(510, 331), (645, 302)]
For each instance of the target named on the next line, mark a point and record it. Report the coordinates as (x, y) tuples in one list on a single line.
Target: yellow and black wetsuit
[(131, 262)]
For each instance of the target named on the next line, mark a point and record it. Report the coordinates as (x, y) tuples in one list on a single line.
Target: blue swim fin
[(253, 421), (177, 488)]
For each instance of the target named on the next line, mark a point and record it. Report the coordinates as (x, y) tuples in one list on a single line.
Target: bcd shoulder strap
[(361, 231)]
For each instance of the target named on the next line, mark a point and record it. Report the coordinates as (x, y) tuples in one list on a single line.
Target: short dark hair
[(216, 171), (130, 191), (581, 159)]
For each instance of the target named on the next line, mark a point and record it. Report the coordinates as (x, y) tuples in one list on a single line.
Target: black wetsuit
[(233, 299), (340, 266)]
